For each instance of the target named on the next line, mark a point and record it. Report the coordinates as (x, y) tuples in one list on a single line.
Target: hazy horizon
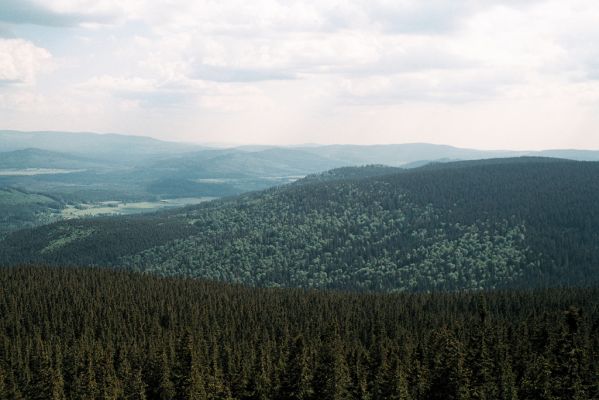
[(294, 145), (503, 74)]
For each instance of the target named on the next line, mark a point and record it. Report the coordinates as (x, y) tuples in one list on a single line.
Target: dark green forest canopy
[(524, 222), (97, 333)]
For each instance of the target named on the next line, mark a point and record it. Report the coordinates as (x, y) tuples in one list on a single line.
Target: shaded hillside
[(79, 333), (22, 209), (487, 224)]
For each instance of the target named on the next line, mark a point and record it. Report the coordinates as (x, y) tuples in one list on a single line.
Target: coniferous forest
[(71, 333)]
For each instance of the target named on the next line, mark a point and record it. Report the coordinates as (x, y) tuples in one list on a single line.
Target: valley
[(489, 224), (257, 273)]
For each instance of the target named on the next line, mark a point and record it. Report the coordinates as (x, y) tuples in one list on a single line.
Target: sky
[(489, 74)]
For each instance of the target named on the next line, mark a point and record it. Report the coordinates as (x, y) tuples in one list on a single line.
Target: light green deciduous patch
[(66, 235), (348, 242)]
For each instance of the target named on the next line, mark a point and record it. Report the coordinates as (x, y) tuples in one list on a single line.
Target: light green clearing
[(122, 208), (37, 171)]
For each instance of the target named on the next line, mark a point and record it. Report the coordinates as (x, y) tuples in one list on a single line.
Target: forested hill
[(366, 171), (522, 222)]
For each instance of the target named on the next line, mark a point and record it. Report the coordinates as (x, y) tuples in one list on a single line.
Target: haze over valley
[(50, 176)]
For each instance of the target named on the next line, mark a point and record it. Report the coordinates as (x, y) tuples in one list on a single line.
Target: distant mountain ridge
[(401, 154), (135, 148), (37, 158), (101, 146), (107, 167)]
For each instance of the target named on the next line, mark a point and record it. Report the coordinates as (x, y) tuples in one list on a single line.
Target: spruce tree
[(167, 390), (331, 377), (295, 382), (448, 377)]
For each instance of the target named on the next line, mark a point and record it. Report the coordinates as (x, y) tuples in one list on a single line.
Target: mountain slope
[(122, 149), (400, 154), (238, 163), (487, 224), (22, 209), (36, 158)]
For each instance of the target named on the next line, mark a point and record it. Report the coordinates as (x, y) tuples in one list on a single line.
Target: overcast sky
[(519, 74)]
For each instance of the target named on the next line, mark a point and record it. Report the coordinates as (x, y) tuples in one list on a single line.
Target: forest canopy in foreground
[(91, 333)]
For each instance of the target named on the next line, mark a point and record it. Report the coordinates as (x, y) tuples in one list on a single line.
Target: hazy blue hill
[(136, 148), (275, 161), (236, 163), (192, 160), (37, 158), (117, 148), (521, 160), (412, 155), (226, 172), (399, 154), (522, 222), (580, 155)]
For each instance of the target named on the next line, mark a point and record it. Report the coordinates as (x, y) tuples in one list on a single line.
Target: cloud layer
[(499, 73)]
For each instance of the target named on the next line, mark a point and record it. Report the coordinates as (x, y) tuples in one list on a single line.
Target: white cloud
[(21, 61), (297, 70)]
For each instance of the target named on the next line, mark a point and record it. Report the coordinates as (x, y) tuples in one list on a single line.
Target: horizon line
[(309, 144)]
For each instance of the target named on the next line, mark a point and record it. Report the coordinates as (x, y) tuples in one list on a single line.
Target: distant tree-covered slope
[(470, 225), (238, 163), (118, 149), (365, 171), (20, 209), (36, 158)]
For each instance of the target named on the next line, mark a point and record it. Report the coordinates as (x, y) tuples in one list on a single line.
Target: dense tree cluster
[(100, 334), (471, 225), (365, 171), (20, 209)]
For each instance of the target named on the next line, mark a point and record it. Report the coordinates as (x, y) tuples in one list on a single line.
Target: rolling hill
[(23, 209), (234, 163), (37, 158), (523, 222), (121, 149), (401, 154)]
